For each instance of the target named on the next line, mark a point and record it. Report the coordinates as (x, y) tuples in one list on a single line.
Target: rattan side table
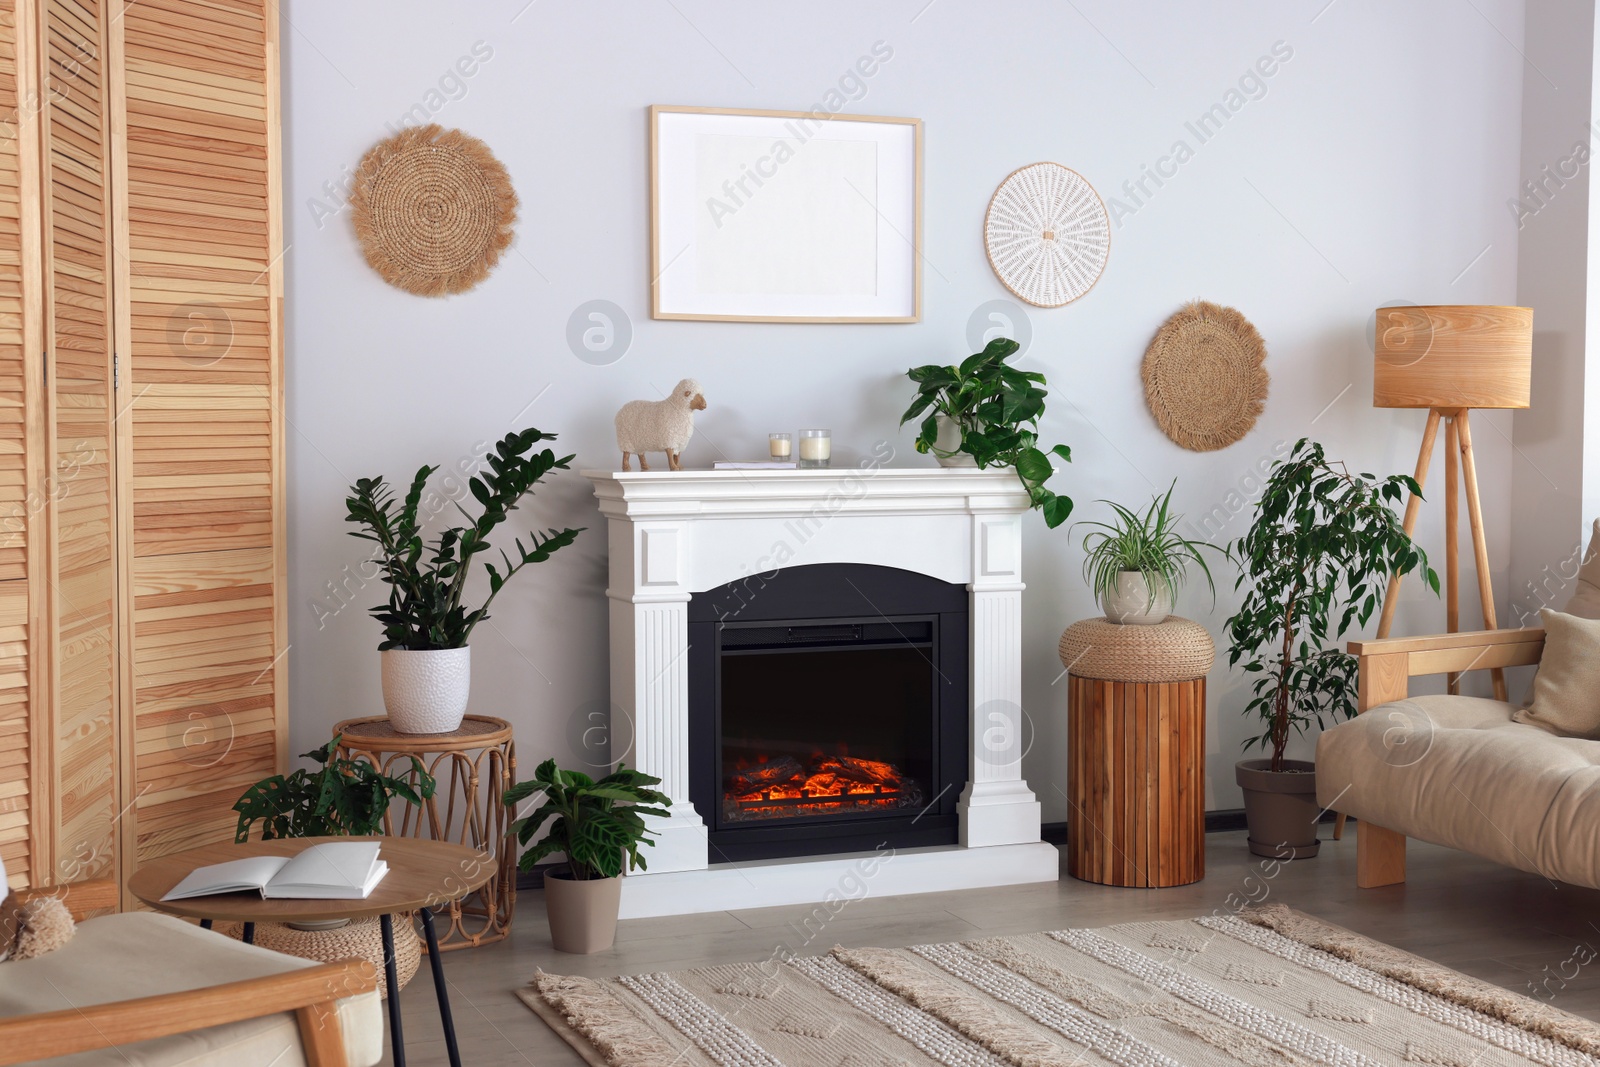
[(1136, 751), (473, 766)]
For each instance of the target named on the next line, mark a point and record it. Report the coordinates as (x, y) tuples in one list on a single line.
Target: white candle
[(816, 448), (778, 446)]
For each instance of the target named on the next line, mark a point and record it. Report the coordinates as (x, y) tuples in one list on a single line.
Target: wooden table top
[(422, 874)]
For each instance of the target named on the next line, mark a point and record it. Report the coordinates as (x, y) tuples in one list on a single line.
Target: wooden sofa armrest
[(310, 993), (81, 898), (1386, 664)]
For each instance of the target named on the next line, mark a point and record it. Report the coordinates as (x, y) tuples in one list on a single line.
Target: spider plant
[(1148, 544)]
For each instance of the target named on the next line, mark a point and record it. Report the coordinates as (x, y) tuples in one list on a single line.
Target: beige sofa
[(145, 989), (1457, 771)]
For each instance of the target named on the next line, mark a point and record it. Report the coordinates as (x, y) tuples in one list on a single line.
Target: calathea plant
[(998, 409), (427, 580), (1318, 557), (598, 824)]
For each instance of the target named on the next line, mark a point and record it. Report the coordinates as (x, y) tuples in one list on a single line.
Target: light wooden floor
[(1497, 924)]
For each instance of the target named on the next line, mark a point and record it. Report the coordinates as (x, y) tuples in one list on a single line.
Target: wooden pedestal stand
[(1136, 731)]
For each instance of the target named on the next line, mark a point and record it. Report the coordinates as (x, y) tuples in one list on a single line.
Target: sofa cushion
[(1566, 691), (1459, 771), (1585, 599), (140, 954)]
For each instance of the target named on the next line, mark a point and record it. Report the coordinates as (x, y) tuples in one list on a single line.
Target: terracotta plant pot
[(583, 914), (1280, 808), (1131, 604), (425, 692)]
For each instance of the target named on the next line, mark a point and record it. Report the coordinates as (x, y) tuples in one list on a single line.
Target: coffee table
[(423, 875)]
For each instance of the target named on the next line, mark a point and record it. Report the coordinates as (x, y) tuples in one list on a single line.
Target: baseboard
[(1220, 821)]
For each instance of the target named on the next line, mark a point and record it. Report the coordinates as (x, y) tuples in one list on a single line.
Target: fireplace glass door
[(827, 711), (826, 719)]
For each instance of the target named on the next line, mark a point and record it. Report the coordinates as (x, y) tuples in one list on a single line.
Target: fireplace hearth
[(827, 711)]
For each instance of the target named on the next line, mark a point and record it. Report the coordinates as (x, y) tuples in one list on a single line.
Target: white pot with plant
[(1137, 563), (985, 413), (426, 659)]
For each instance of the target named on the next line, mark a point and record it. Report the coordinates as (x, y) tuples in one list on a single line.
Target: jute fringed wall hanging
[(1203, 376), (1047, 234), (433, 210)]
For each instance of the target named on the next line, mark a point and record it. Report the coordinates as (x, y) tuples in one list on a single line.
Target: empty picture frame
[(784, 216)]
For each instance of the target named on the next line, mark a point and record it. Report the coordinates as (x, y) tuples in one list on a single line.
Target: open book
[(339, 870)]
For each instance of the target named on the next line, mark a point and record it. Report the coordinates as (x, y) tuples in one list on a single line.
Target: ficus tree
[(1318, 557), (427, 580), (998, 408)]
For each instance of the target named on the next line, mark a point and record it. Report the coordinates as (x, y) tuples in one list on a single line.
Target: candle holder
[(816, 448), (780, 446)]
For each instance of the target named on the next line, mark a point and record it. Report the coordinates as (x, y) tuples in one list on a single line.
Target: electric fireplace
[(827, 711)]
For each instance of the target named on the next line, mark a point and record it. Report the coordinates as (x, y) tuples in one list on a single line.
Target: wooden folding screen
[(142, 630)]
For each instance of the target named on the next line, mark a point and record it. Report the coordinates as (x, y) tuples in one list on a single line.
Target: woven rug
[(1267, 988)]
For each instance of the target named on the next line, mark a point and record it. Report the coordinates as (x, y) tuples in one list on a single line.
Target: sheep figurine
[(659, 425)]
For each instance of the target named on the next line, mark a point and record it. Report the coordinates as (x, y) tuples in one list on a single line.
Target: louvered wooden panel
[(200, 207), (80, 495), (25, 748)]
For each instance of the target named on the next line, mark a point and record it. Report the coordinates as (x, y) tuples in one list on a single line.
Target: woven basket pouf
[(360, 938)]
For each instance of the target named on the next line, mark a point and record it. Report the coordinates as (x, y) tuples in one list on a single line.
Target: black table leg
[(440, 988), (205, 924), (397, 1040), (249, 935)]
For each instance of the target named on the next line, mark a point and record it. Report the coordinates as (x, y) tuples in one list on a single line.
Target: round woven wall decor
[(1047, 234), (433, 210), (1203, 376)]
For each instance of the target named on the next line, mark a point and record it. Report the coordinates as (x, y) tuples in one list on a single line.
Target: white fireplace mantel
[(672, 534)]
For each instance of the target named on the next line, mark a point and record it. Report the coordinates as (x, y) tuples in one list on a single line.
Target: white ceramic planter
[(947, 445), (425, 692), (1131, 603)]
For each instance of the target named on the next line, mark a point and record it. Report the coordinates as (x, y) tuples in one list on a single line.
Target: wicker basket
[(360, 938)]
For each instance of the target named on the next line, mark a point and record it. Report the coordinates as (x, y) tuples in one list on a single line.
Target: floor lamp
[(1451, 359)]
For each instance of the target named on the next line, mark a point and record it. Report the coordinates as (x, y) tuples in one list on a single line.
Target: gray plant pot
[(582, 914), (1280, 808)]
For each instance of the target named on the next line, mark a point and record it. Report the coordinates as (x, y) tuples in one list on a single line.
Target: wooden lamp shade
[(1450, 356)]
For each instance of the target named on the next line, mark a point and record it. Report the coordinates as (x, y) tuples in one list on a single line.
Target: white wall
[(1552, 201), (1374, 167)]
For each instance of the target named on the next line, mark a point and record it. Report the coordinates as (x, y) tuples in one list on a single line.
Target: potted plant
[(342, 797), (426, 661), (986, 413), (596, 824), (1318, 556), (1135, 563)]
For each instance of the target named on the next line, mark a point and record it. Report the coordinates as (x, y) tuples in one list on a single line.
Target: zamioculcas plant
[(428, 580), (1318, 557), (998, 409)]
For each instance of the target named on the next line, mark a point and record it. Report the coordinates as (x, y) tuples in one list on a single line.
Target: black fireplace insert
[(827, 711)]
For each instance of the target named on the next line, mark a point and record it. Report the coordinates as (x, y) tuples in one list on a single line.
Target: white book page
[(235, 876), (332, 869)]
